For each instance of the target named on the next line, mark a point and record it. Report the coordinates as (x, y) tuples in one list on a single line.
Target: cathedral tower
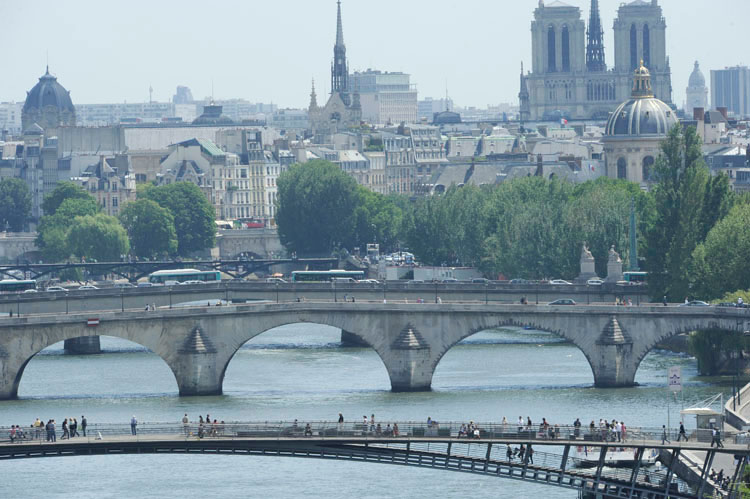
[(595, 41)]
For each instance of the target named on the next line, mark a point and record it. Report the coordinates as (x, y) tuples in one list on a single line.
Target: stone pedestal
[(614, 266), (83, 345), (588, 266)]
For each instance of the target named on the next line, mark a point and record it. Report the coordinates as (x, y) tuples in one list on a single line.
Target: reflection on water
[(300, 371)]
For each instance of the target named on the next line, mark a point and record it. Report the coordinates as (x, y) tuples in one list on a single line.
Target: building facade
[(730, 88), (635, 130), (385, 97), (696, 92), (569, 76)]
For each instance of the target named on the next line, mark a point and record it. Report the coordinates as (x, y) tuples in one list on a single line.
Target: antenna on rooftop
[(150, 94)]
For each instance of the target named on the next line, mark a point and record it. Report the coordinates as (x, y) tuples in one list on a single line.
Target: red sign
[(92, 322)]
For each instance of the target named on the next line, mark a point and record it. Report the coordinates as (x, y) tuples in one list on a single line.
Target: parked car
[(559, 281), (124, 285), (695, 303), (594, 282), (449, 280), (87, 287), (562, 301), (479, 280), (29, 290), (145, 284), (370, 281), (56, 289), (519, 281), (274, 279)]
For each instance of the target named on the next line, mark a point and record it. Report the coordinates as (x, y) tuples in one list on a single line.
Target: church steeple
[(339, 67), (595, 37), (313, 97)]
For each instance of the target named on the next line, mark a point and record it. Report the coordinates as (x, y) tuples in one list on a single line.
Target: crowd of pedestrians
[(37, 429)]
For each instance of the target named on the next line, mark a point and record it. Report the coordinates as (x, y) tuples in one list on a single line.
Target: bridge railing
[(582, 436)]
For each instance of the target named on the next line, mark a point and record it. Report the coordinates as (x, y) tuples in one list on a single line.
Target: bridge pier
[(409, 362), (612, 359), (83, 345), (197, 368)]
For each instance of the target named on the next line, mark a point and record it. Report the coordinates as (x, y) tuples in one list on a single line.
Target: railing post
[(487, 457), (636, 469), (564, 463), (670, 470), (599, 467), (708, 461)]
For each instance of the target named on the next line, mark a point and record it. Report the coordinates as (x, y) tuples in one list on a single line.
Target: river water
[(301, 371)]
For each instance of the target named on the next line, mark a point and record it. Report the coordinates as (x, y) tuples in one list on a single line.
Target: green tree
[(377, 220), (194, 218), (53, 230), (63, 191), (15, 204), (720, 263), (99, 237), (678, 221), (316, 208), (150, 228)]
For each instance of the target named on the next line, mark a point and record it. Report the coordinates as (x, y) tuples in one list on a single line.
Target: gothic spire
[(339, 68), (595, 45), (313, 97), (339, 27)]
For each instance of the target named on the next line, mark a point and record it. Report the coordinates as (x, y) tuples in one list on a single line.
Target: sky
[(268, 51)]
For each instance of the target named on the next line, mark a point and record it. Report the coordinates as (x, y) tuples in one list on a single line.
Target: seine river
[(301, 371)]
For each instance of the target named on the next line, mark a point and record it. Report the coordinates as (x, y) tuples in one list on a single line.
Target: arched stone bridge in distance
[(198, 343)]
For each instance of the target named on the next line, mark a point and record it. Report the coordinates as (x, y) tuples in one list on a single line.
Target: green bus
[(635, 277), (326, 275), (182, 275), (16, 285)]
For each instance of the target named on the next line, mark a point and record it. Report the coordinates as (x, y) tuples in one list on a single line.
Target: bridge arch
[(367, 332), (501, 322), (14, 369)]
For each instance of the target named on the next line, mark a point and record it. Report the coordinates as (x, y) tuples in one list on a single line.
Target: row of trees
[(690, 230), (169, 220)]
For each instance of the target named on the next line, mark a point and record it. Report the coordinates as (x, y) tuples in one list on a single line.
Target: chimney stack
[(698, 114), (723, 111)]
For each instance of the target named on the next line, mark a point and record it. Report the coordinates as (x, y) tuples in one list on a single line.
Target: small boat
[(588, 455)]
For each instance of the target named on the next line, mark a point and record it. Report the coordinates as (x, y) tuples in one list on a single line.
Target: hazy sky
[(267, 51)]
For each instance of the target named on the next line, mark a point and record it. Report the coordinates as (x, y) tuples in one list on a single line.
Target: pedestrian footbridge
[(556, 459)]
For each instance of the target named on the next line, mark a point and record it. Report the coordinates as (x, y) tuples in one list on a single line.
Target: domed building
[(212, 115), (48, 105), (696, 92), (634, 131)]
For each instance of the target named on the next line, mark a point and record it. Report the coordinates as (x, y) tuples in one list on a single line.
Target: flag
[(563, 121)]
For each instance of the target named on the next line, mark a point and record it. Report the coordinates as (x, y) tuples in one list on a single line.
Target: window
[(114, 202), (633, 48), (622, 168), (551, 55), (565, 49), (646, 46)]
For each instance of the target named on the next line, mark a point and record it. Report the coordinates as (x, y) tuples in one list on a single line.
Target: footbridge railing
[(567, 456)]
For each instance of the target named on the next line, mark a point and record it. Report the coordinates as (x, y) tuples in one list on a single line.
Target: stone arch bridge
[(198, 343)]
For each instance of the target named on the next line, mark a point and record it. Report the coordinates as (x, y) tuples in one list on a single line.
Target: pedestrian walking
[(682, 433), (74, 428), (65, 433), (664, 300), (664, 435), (84, 423), (133, 425), (186, 425), (716, 438)]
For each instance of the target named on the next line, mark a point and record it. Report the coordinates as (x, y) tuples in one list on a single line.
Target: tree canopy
[(193, 214), (99, 237), (316, 207), (15, 204), (54, 230), (63, 191), (150, 228)]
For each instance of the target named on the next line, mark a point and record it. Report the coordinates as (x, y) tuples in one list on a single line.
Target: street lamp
[(486, 289), (277, 292)]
